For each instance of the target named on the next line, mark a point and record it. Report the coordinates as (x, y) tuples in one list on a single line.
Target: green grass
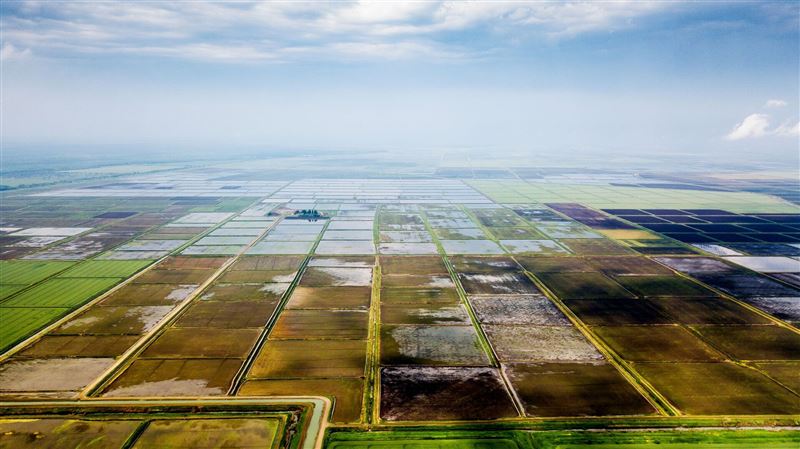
[(25, 313), (491, 439), (466, 443), (690, 439), (61, 293), (20, 323), (105, 269), (435, 439), (29, 271), (7, 290)]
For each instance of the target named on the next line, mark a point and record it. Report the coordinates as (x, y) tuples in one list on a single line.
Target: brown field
[(431, 345), (297, 324), (443, 393), (60, 433), (484, 265), (754, 342), (149, 295), (419, 296), (192, 263), (656, 344), (583, 286), (244, 292), (202, 343), (207, 433), (174, 276), (575, 389), (257, 276), (336, 277), (79, 346), (227, 314), (267, 263), (719, 389), (174, 377), (416, 281), (347, 393), (517, 309), (310, 358), (56, 377), (427, 265), (628, 265), (330, 298), (497, 284), (556, 264), (424, 314), (115, 320), (540, 344)]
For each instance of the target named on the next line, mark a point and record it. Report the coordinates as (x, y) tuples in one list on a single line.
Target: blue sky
[(715, 77)]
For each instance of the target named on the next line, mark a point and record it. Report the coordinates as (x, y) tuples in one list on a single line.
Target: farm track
[(653, 396), (130, 355), (312, 436), (670, 417), (239, 379), (484, 340), (43, 331)]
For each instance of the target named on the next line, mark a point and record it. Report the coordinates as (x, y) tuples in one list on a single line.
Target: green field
[(488, 439), (105, 269), (23, 314), (61, 292), (29, 271), (19, 323), (475, 325)]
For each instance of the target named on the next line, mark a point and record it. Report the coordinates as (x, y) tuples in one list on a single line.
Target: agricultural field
[(431, 312)]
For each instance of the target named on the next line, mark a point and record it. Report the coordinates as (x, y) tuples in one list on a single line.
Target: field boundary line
[(462, 294), (317, 425), (641, 385), (743, 363), (473, 317), (128, 357), (764, 314), (777, 321), (135, 435), (54, 325), (241, 374), (372, 369), (42, 331), (490, 236), (648, 391)]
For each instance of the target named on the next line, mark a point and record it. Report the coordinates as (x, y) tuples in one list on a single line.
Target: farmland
[(431, 311)]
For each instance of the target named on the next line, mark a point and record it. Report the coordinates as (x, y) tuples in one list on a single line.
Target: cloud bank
[(775, 103), (289, 31), (758, 125)]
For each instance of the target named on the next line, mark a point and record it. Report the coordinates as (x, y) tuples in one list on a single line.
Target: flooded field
[(468, 304)]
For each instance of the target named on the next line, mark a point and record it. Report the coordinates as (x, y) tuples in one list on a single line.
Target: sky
[(717, 78)]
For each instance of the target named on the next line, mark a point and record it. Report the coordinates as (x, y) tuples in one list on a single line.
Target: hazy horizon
[(658, 78)]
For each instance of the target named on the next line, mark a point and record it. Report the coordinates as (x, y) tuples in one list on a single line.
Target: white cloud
[(209, 52), (754, 125), (787, 130), (775, 103), (274, 31), (572, 18), (758, 125), (9, 52), (394, 51)]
